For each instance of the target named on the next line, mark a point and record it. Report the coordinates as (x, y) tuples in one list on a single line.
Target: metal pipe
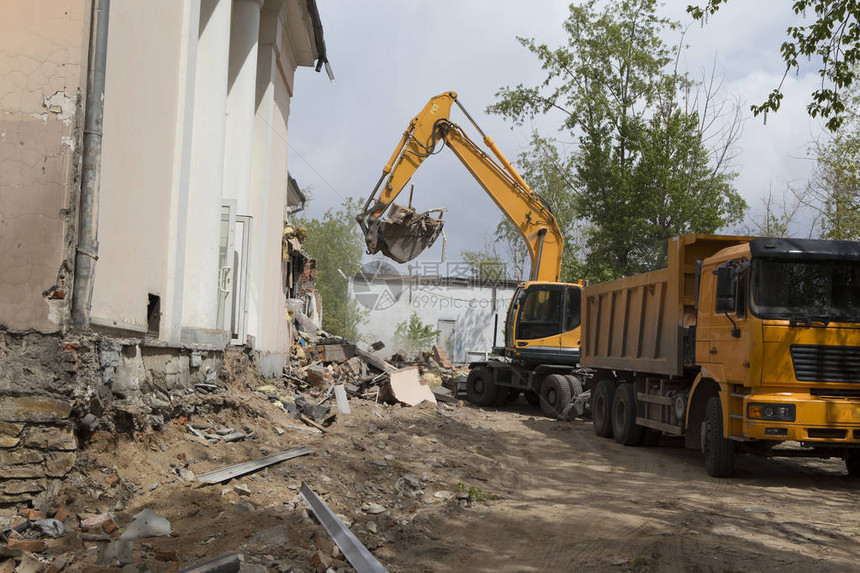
[(542, 235), (87, 249)]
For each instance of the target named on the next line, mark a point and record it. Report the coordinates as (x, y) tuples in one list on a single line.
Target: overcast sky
[(389, 57)]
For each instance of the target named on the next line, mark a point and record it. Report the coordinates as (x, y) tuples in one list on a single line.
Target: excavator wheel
[(554, 395), (852, 463), (601, 407), (480, 388), (533, 398), (575, 385)]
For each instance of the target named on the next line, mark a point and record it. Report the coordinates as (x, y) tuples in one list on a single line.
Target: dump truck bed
[(638, 323)]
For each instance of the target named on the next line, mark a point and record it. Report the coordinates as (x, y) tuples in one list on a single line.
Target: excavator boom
[(405, 233)]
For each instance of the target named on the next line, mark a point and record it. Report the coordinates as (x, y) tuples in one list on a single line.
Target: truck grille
[(826, 363)]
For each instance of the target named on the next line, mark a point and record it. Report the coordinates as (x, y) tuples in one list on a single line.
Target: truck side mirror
[(726, 288)]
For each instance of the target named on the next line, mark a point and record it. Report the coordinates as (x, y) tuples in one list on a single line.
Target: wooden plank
[(224, 474)]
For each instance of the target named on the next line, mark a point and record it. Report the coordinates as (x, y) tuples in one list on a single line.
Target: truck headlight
[(779, 412)]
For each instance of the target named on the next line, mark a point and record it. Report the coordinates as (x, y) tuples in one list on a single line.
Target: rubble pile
[(221, 480)]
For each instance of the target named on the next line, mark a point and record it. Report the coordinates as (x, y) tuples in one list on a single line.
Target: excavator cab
[(543, 323)]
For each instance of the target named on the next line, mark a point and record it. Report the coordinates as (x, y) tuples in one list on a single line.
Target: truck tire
[(554, 395), (852, 463), (480, 388), (601, 407), (624, 427), (719, 452)]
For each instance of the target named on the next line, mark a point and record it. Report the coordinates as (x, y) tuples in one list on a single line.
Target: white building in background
[(468, 313), (193, 191)]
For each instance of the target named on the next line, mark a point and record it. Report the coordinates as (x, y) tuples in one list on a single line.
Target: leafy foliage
[(835, 185), (642, 172), (547, 173), (833, 37), (484, 267), (336, 243), (414, 336)]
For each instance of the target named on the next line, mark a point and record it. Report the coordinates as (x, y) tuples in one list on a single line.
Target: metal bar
[(356, 553), (664, 400), (218, 476), (668, 428), (227, 563)]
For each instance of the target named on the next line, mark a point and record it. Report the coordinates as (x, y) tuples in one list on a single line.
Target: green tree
[(546, 171), (642, 171), (414, 336), (336, 243), (832, 36), (484, 266), (834, 189)]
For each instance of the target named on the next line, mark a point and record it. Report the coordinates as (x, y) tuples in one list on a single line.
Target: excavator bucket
[(404, 235)]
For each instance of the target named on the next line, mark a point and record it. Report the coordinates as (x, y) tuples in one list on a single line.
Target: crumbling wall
[(40, 132), (56, 391), (40, 387)]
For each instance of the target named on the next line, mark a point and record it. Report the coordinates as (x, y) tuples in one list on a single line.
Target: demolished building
[(143, 195)]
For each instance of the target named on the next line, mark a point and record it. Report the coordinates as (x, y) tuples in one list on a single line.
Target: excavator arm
[(406, 234)]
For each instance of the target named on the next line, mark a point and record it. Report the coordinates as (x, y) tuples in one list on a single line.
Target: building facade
[(192, 192)]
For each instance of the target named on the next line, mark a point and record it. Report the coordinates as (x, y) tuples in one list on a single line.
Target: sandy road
[(574, 501)]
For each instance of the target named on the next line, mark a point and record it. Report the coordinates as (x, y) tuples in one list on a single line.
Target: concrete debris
[(147, 523), (227, 563), (404, 386)]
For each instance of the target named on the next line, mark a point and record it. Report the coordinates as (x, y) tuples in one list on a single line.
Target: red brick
[(320, 561), (109, 526), (32, 545), (30, 513), (61, 514)]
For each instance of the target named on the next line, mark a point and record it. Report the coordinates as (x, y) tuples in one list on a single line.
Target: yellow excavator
[(540, 356)]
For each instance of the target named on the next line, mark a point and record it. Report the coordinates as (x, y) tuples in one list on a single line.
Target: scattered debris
[(227, 563), (225, 474), (147, 523), (356, 553)]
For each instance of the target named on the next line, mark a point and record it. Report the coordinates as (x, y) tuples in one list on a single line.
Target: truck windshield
[(807, 290)]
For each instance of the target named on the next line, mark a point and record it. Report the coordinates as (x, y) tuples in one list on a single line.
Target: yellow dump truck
[(741, 345)]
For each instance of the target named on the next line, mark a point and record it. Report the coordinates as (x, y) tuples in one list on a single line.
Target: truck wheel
[(719, 452), (624, 427), (554, 395), (852, 463), (601, 407), (533, 398), (480, 388), (575, 385)]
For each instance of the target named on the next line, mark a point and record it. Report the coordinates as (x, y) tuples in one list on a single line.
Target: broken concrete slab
[(404, 386), (147, 523), (332, 352)]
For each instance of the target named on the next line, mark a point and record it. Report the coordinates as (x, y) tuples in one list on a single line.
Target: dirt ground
[(488, 490)]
